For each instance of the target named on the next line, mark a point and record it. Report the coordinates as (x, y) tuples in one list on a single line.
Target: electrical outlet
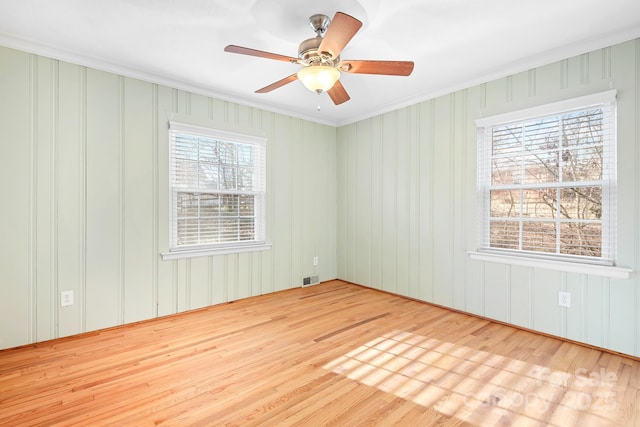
[(66, 298), (315, 260), (564, 299)]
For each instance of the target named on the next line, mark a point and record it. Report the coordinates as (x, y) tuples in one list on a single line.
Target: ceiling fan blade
[(279, 83), (338, 94), (390, 68), (341, 30), (259, 53)]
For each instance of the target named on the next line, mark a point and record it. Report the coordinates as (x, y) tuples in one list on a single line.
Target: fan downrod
[(319, 23)]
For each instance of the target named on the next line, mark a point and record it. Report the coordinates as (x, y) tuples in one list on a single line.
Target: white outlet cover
[(564, 299), (66, 298)]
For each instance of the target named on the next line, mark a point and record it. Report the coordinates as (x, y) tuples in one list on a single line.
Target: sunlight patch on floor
[(477, 386)]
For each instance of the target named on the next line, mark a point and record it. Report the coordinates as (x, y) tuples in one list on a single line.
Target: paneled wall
[(407, 205), (388, 202), (85, 202)]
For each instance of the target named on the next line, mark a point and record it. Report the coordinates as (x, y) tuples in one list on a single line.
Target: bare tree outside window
[(217, 189), (545, 184)]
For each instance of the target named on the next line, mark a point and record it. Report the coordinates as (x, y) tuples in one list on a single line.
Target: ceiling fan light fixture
[(320, 58), (318, 78)]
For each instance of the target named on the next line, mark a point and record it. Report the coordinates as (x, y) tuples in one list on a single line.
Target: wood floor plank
[(330, 354)]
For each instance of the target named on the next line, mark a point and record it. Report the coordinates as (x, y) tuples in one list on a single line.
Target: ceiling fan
[(320, 58)]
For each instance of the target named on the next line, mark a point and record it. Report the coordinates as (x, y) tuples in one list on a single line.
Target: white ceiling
[(179, 43)]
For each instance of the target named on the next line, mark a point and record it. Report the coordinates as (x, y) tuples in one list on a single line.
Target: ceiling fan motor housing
[(308, 52), (308, 49)]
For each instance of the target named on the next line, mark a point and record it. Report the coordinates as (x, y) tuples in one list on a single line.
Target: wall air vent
[(311, 280)]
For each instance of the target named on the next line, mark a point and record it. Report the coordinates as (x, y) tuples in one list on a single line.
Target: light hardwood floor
[(331, 354)]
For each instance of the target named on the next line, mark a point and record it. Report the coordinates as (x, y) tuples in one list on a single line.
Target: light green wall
[(85, 202), (388, 202), (407, 205)]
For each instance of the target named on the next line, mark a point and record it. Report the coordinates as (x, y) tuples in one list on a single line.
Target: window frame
[(604, 265), (242, 137)]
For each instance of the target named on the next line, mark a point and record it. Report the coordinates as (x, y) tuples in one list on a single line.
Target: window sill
[(193, 253), (571, 267)]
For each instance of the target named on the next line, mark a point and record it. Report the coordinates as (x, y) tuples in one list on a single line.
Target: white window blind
[(218, 188), (547, 180)]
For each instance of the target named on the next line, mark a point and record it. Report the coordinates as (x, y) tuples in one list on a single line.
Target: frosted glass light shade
[(318, 78)]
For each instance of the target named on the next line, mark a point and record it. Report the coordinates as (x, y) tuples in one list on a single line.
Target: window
[(218, 190), (547, 181)]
